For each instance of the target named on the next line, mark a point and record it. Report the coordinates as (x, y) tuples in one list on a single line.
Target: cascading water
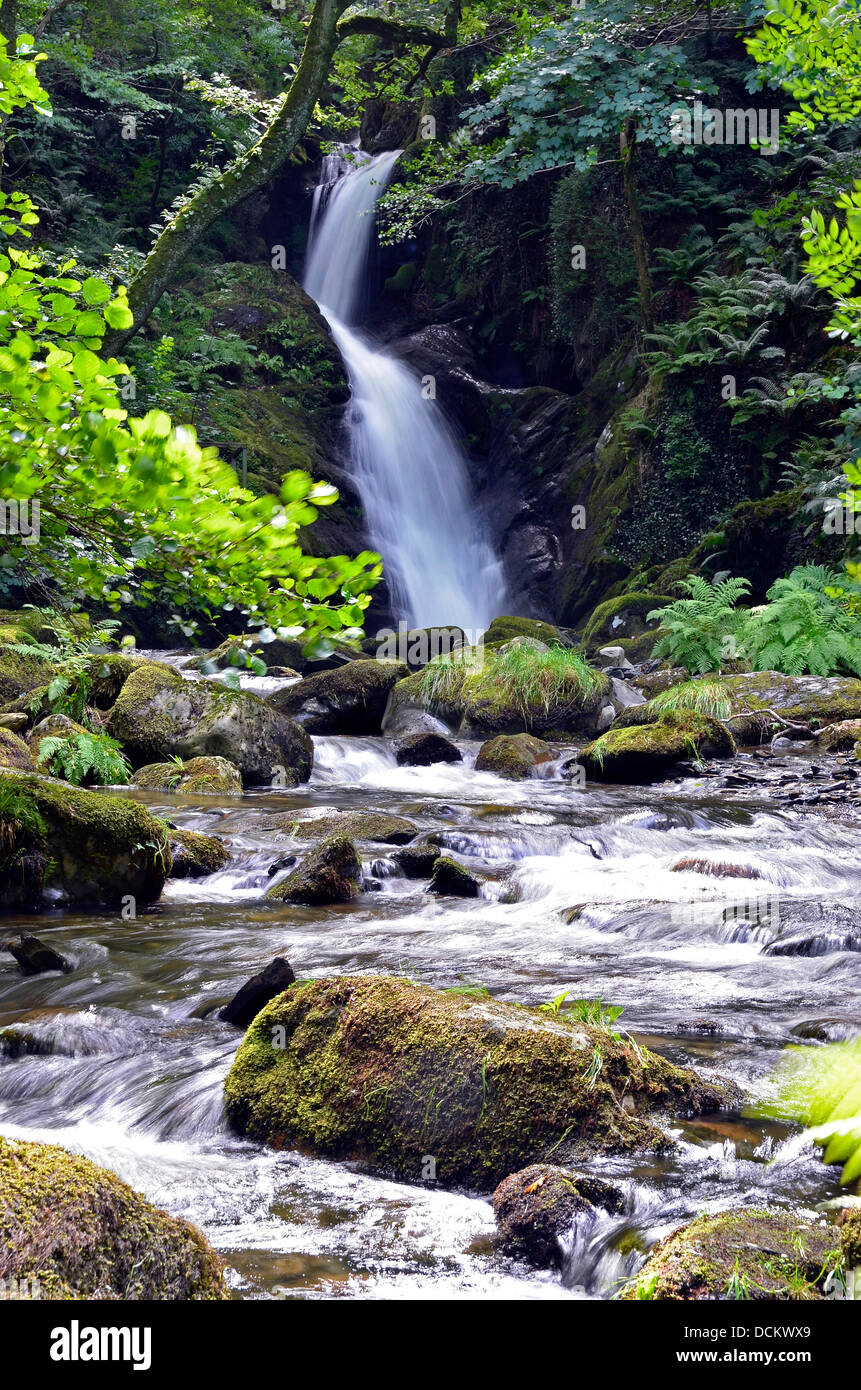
[(406, 459)]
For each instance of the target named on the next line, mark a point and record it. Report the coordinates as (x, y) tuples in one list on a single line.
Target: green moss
[(19, 674), (599, 631), (376, 826), (512, 755), (88, 847), (329, 873), (14, 752), (83, 1234), (850, 1239), (741, 1254), (643, 752), (387, 1071), (194, 855), (203, 776), (502, 629)]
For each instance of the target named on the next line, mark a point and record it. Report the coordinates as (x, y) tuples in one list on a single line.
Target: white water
[(406, 459)]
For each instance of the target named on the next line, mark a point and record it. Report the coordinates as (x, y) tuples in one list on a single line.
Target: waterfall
[(406, 459)]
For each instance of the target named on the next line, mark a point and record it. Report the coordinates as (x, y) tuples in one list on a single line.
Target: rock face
[(349, 700), (816, 929), (376, 826), (740, 1254), (451, 879), (256, 992), (158, 715), (424, 749), (387, 1071), (644, 753), (83, 1234), (20, 674), (34, 957), (512, 755), (539, 1206), (841, 736), (811, 700), (203, 776), (194, 855), (417, 861), (14, 752), (329, 873), (61, 846)]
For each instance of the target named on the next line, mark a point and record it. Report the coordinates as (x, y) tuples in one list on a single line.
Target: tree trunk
[(258, 165), (627, 145)]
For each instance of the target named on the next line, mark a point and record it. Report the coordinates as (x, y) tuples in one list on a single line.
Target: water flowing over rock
[(538, 1207), (406, 459)]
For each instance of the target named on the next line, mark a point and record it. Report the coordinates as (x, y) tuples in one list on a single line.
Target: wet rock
[(196, 856), (285, 654), (376, 826), (624, 693), (423, 750), (807, 700), (198, 776), (21, 674), (349, 700), (14, 752), (451, 879), (34, 957), (82, 1234), (644, 753), (816, 929), (740, 1254), (714, 868), (845, 734), (538, 1207), (62, 846), (512, 755), (13, 722), (503, 629), (329, 873), (656, 682), (415, 646), (158, 715), (614, 658), (247, 1002), (387, 1071), (417, 861)]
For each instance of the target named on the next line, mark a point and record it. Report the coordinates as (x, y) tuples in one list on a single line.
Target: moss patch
[(376, 826), (83, 1234), (194, 855), (643, 753), (330, 873)]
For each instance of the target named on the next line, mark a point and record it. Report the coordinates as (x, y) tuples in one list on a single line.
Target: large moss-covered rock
[(349, 700), (811, 700), (14, 752), (512, 755), (538, 1208), (503, 629), (387, 1071), (329, 873), (741, 1254), (20, 674), (477, 694), (196, 856), (159, 715), (644, 753), (622, 617), (376, 826), (63, 846), (204, 776), (80, 1233)]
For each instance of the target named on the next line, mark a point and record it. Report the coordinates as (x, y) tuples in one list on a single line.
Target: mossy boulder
[(849, 1222), (349, 700), (376, 826), (20, 674), (655, 683), (61, 846), (451, 879), (158, 715), (52, 726), (108, 674), (840, 737), (417, 861), (81, 1233), (330, 873), (748, 1254), (503, 629), (196, 856), (203, 776), (621, 617), (425, 749), (811, 700), (14, 752), (476, 695), (233, 652), (644, 753), (512, 755), (539, 1207), (387, 1071)]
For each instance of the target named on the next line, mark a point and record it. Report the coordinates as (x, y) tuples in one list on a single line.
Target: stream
[(132, 1058)]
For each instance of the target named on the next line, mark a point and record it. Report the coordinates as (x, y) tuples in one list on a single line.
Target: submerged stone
[(247, 1002), (512, 755), (34, 957), (196, 856), (537, 1208)]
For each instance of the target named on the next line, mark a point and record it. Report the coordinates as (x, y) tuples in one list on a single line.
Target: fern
[(821, 1088), (806, 627), (85, 757), (72, 654), (704, 630)]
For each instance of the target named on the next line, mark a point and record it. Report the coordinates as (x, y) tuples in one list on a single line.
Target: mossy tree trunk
[(627, 147), (258, 165)]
